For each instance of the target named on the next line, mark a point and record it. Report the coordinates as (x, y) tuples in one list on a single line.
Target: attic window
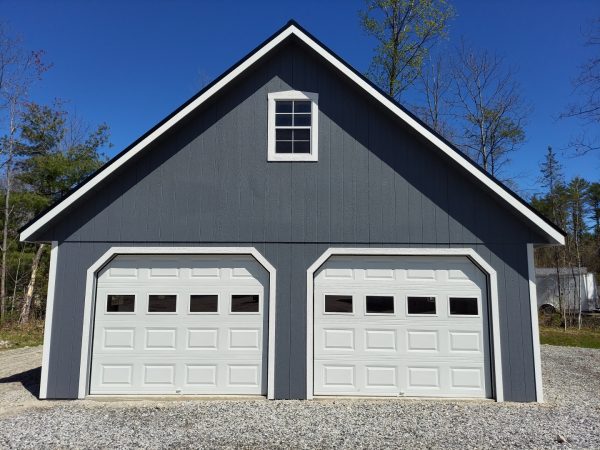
[(293, 121)]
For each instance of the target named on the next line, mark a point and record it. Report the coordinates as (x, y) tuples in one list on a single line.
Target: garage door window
[(245, 304), (380, 304), (463, 306), (421, 305), (201, 303), (162, 303), (338, 304), (118, 303)]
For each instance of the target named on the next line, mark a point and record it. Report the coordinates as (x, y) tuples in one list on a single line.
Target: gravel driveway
[(572, 389)]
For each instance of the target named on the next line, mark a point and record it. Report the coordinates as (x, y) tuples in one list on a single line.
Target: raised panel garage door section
[(402, 325), (169, 324)]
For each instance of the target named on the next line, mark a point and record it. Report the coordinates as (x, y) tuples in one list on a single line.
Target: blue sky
[(130, 63)]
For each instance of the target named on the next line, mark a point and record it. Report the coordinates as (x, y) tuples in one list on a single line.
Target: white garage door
[(390, 326), (185, 324)]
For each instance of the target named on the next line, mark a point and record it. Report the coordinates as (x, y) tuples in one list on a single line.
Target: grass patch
[(15, 336), (572, 337)]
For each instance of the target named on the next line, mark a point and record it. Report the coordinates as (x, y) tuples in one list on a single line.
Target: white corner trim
[(48, 321), (90, 294), (535, 328), (468, 252), (313, 156), (555, 235)]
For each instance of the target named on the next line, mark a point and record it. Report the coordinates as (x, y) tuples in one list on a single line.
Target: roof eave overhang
[(554, 235)]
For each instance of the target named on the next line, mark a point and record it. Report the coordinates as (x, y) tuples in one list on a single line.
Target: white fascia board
[(552, 233), (431, 137), (81, 191)]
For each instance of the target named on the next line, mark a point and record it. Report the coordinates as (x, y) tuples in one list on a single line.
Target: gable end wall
[(207, 183)]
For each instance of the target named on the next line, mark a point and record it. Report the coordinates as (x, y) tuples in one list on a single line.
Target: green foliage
[(50, 165), (53, 153), (552, 172), (594, 203), (17, 336), (573, 206), (570, 338), (576, 202), (405, 31)]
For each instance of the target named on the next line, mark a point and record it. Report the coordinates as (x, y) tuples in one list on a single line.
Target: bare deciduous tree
[(552, 179), (576, 199), (490, 112), (436, 85), (587, 87), (405, 31), (28, 297), (18, 70)]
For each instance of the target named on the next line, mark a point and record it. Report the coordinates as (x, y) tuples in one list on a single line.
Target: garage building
[(292, 232)]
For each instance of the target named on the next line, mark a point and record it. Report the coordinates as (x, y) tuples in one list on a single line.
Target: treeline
[(44, 152), (473, 98), (469, 95), (573, 205)]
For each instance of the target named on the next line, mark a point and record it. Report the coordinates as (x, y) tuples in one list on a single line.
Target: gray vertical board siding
[(509, 260), (385, 184), (291, 262), (297, 299), (208, 182), (283, 263)]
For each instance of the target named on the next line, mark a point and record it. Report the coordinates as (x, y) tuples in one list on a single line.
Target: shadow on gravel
[(30, 380)]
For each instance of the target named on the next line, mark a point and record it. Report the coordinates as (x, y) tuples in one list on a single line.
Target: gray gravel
[(572, 411)]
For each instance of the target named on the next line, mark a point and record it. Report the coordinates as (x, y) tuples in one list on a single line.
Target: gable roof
[(554, 234)]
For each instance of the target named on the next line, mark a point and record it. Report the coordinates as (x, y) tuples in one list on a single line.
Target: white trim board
[(535, 329), (554, 235), (90, 300), (48, 321), (492, 281)]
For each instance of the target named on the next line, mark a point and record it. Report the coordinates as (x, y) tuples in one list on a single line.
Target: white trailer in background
[(576, 287)]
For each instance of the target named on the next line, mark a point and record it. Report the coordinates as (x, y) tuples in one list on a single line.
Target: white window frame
[(120, 313), (166, 313), (326, 313), (245, 313), (392, 314), (217, 312), (470, 296), (313, 156), (437, 309)]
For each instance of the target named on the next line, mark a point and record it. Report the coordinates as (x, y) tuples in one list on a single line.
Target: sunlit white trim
[(90, 294), (48, 321), (314, 128), (535, 328), (552, 233), (86, 187), (468, 252)]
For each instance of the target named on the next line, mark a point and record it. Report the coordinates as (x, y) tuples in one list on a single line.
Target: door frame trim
[(48, 321), (90, 300), (477, 259), (535, 328)]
